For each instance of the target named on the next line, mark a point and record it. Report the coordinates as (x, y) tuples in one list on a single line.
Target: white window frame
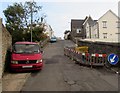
[(78, 30), (118, 24), (117, 33), (104, 23), (104, 35)]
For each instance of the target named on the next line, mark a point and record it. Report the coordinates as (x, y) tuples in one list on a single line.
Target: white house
[(90, 27), (95, 31), (48, 30), (66, 35), (109, 26)]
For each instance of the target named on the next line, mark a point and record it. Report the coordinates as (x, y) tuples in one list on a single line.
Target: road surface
[(62, 74)]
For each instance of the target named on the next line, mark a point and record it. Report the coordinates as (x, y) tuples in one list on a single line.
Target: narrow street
[(61, 74)]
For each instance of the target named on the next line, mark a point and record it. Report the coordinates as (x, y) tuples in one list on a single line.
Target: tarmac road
[(61, 74)]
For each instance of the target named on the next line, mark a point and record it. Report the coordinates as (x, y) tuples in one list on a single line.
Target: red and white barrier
[(86, 58)]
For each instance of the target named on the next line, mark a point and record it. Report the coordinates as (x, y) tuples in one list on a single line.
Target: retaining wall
[(6, 43), (101, 47)]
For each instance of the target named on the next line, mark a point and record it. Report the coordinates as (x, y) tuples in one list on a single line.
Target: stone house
[(81, 29), (77, 30)]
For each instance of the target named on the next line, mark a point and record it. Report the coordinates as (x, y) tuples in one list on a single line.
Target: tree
[(14, 16), (20, 21), (31, 9), (37, 32)]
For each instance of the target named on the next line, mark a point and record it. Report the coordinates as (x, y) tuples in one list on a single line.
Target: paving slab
[(14, 81)]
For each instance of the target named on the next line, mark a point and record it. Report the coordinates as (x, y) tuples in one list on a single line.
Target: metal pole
[(31, 20)]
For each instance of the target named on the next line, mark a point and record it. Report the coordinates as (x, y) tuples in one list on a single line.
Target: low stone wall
[(101, 47), (6, 44)]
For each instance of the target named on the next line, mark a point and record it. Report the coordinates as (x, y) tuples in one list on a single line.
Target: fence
[(85, 58)]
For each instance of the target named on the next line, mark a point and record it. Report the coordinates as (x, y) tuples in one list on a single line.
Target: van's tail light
[(39, 61), (14, 62)]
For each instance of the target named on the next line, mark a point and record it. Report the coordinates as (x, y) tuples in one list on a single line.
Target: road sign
[(113, 59)]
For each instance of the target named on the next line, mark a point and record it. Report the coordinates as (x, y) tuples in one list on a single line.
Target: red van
[(26, 56)]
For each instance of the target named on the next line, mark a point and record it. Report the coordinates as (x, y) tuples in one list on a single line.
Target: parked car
[(26, 56), (53, 39)]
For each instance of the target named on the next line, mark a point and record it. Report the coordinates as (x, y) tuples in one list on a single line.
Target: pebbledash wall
[(101, 47), (6, 44)]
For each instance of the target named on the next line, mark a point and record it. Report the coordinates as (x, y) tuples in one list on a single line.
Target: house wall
[(95, 33), (77, 24), (48, 30), (66, 36), (90, 28), (111, 29), (87, 29)]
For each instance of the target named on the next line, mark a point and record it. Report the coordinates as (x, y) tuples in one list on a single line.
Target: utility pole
[(31, 27)]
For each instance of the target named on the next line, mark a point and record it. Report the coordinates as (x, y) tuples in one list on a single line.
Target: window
[(95, 35), (104, 24), (26, 48), (78, 30), (118, 24), (117, 33), (104, 35)]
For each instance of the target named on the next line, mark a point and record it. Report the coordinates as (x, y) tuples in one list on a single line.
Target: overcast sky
[(60, 12)]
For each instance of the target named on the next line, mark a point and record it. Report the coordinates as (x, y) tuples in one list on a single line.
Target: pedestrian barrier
[(85, 58)]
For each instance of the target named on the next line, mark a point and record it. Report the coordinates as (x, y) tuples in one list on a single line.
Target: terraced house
[(109, 26), (77, 30), (89, 25), (81, 29), (105, 29)]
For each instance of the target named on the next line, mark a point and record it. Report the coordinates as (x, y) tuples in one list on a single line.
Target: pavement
[(0, 78), (13, 81), (0, 85)]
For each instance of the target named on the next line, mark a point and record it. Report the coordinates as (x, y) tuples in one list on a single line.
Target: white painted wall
[(87, 27), (94, 32), (111, 29), (66, 36), (48, 30)]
